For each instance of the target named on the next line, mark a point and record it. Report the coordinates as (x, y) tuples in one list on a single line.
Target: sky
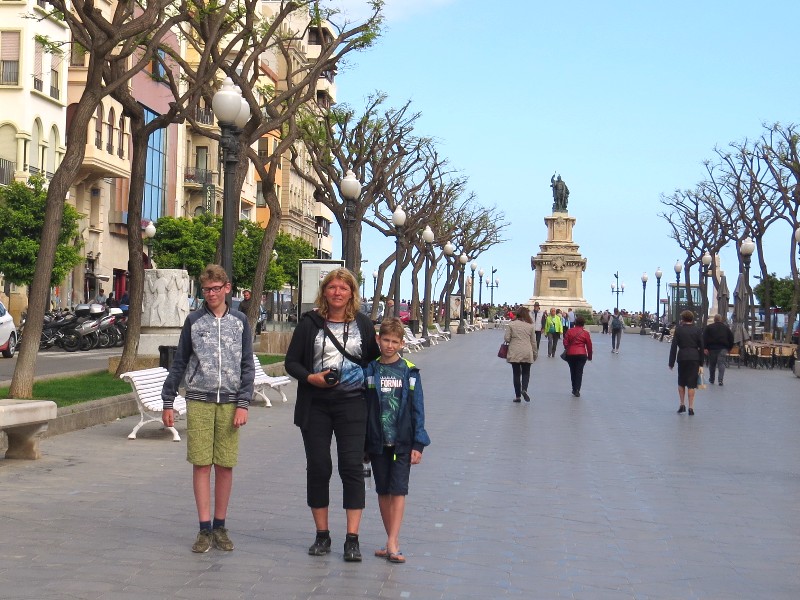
[(624, 99)]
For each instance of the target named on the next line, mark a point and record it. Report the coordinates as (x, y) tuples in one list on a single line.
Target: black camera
[(332, 376)]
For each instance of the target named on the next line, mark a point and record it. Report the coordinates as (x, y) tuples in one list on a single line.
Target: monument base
[(548, 302), (150, 340)]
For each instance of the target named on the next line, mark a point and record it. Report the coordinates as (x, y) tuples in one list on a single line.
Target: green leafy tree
[(22, 208), (183, 243), (246, 249), (290, 250), (781, 292)]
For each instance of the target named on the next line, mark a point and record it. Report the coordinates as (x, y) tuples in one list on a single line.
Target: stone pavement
[(609, 496)]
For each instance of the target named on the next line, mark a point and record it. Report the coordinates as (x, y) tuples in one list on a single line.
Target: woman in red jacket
[(578, 346)]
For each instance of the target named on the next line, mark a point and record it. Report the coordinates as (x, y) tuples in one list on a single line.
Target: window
[(55, 88), (9, 58), (77, 56), (110, 138), (121, 144), (38, 53), (98, 127), (157, 66), (155, 183)]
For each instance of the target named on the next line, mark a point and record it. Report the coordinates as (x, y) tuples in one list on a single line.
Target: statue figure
[(560, 194)]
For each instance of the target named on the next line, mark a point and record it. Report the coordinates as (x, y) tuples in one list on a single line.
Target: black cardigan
[(300, 357)]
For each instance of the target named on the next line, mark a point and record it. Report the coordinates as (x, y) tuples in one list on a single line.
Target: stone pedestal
[(165, 306), (558, 267)]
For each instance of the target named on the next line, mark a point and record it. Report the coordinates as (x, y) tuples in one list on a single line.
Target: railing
[(41, 4), (98, 140), (198, 176), (38, 84), (110, 148), (204, 116), (34, 170), (7, 169), (55, 92), (9, 72)]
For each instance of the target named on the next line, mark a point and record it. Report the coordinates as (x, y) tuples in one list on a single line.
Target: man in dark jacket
[(717, 340)]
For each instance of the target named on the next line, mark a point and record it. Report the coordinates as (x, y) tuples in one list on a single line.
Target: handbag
[(564, 354), (503, 351), (701, 384)]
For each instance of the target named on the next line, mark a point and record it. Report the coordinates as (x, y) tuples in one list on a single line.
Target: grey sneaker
[(221, 539), (203, 541)]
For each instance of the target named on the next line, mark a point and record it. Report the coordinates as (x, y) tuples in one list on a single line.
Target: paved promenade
[(609, 496)]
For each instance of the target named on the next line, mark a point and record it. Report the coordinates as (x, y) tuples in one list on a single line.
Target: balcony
[(204, 117), (55, 92), (38, 84), (196, 178), (100, 162)]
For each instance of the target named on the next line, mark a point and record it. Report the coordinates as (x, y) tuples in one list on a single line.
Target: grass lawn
[(66, 391)]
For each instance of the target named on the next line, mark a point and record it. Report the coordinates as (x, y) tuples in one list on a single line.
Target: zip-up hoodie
[(411, 434), (216, 356)]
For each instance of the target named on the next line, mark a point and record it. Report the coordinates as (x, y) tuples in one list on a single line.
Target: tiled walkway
[(609, 496)]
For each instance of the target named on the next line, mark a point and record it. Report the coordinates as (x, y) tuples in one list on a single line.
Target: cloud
[(393, 10)]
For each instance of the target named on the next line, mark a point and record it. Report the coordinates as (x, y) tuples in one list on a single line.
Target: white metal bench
[(263, 381), (445, 335), (147, 384), (24, 422), (412, 343)]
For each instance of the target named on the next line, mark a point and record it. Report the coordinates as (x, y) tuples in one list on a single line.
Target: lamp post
[(427, 237), (398, 220), (374, 284), (350, 188), (659, 273), (644, 288), (463, 260), (746, 249), (149, 234), (232, 112), (678, 268), (448, 254), (791, 325), (473, 265), (705, 263), (491, 285), (617, 288), (320, 231), (480, 290)]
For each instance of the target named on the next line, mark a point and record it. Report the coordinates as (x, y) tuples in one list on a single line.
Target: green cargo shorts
[(211, 436)]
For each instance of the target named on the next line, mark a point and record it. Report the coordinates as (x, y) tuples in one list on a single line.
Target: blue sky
[(624, 99)]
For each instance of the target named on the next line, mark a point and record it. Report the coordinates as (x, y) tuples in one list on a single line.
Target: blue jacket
[(216, 356), (411, 434)]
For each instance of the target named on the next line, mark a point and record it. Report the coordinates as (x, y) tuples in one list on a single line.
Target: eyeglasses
[(216, 289)]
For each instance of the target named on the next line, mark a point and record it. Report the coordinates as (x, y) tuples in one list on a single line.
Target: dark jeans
[(538, 338), (717, 358), (520, 371), (605, 327), (576, 364), (347, 420), (552, 343), (616, 336)]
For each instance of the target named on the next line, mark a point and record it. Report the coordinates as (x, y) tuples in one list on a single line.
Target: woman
[(578, 345), (326, 355), (522, 351), (687, 347), (553, 328)]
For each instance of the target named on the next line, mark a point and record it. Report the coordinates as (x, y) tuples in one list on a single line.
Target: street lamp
[(463, 260), (746, 249), (149, 234), (705, 263), (617, 288), (481, 273), (398, 220), (644, 288), (363, 279), (320, 231), (473, 265), (232, 112), (448, 253), (374, 284), (491, 287), (678, 268), (659, 273), (350, 188), (427, 237)]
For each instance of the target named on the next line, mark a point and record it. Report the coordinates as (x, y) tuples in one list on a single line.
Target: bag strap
[(339, 346)]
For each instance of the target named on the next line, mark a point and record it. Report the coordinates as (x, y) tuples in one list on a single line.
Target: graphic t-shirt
[(326, 355), (390, 383)]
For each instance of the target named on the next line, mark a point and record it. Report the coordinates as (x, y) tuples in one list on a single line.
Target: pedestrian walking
[(578, 346), (215, 348), (522, 351), (327, 354), (396, 433), (617, 327), (604, 319), (538, 316), (717, 342), (553, 327), (687, 348)]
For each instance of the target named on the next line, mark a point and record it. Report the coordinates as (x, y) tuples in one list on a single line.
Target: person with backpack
[(617, 325)]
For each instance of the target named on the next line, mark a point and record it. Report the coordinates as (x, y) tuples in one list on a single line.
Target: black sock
[(205, 525), (219, 523), (352, 536), (323, 534)]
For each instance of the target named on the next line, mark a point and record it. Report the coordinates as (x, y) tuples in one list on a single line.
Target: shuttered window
[(9, 58)]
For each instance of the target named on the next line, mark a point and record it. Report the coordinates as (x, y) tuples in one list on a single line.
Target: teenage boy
[(216, 350), (396, 432)]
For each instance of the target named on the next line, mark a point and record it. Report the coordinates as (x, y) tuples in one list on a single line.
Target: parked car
[(8, 333), (366, 308), (404, 312)]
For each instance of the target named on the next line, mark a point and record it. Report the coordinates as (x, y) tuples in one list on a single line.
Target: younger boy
[(396, 432), (215, 352)]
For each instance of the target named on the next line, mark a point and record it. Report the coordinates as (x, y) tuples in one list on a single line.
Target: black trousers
[(576, 364), (347, 420), (522, 375)]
